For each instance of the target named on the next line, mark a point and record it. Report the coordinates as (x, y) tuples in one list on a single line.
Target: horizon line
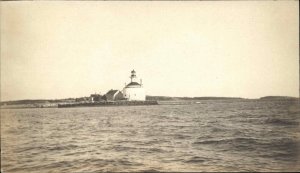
[(163, 96)]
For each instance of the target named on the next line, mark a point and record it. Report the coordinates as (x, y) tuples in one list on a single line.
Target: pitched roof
[(111, 92)]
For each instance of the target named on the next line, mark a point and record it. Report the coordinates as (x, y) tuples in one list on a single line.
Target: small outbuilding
[(82, 99), (95, 97)]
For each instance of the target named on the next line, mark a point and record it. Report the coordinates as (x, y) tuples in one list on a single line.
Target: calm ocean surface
[(210, 136)]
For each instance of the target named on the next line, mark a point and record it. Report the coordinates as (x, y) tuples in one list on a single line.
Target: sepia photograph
[(149, 86)]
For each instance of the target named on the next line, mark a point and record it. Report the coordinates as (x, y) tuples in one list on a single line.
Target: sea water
[(248, 135)]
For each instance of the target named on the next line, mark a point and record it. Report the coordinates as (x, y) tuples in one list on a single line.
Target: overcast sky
[(67, 49)]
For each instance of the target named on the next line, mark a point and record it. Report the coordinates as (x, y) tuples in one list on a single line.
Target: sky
[(63, 49)]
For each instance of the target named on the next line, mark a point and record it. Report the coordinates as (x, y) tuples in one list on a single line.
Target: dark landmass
[(165, 98), (54, 102), (278, 98), (152, 98), (18, 102)]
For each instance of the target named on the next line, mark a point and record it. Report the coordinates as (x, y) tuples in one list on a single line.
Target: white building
[(134, 90)]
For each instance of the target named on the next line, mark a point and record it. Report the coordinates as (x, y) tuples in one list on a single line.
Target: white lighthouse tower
[(134, 90)]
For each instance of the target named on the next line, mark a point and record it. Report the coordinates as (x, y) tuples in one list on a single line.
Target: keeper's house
[(113, 95)]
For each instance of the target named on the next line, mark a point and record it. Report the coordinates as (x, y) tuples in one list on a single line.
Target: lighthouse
[(134, 90)]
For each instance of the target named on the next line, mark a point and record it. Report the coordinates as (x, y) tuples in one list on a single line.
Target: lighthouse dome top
[(133, 85)]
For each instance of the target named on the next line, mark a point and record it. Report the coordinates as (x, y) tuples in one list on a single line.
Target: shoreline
[(107, 103), (130, 103)]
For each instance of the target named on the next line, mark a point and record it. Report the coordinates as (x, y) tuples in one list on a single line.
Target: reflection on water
[(211, 136)]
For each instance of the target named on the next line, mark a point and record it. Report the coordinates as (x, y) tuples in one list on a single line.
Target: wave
[(234, 144), (229, 140), (196, 159), (61, 147), (277, 121)]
